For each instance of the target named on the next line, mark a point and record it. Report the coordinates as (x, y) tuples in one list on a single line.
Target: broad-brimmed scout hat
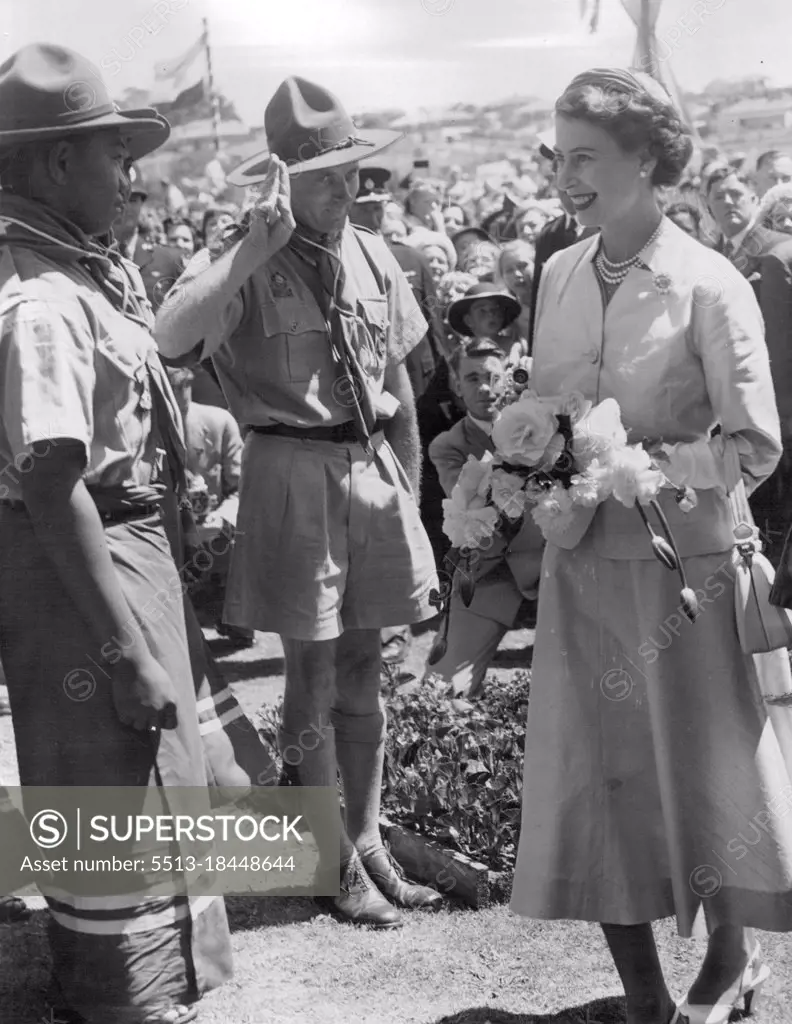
[(47, 92), (308, 129)]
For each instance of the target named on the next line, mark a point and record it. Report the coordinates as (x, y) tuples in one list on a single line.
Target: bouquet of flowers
[(556, 458)]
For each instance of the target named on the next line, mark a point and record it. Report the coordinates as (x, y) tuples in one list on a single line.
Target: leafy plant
[(453, 768)]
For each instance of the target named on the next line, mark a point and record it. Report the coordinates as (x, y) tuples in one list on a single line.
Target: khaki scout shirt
[(72, 366), (271, 345)]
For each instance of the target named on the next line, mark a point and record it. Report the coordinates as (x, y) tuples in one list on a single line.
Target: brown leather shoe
[(389, 878), (360, 901)]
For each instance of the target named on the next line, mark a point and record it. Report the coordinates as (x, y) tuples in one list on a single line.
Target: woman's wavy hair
[(636, 112)]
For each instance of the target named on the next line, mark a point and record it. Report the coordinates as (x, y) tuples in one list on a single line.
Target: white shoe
[(747, 987)]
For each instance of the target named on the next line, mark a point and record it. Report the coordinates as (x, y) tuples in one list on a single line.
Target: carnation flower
[(467, 527), (633, 477), (508, 493), (592, 486), (599, 432), (522, 431)]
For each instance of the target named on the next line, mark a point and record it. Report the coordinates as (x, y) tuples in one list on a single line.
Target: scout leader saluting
[(309, 329)]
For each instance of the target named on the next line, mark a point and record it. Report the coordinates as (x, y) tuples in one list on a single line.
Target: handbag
[(761, 626)]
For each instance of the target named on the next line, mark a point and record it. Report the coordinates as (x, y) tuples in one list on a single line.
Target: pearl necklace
[(614, 273)]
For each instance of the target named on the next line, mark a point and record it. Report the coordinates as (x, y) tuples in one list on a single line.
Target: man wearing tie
[(764, 257)]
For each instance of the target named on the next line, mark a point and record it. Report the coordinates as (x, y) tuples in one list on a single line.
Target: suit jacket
[(506, 567), (424, 358), (765, 259), (558, 234)]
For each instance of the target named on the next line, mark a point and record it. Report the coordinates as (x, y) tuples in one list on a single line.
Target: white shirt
[(737, 240), (485, 425)]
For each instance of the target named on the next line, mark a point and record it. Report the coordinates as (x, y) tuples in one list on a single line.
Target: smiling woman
[(631, 789)]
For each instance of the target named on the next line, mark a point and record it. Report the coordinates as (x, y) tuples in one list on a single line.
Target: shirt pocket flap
[(127, 359), (290, 316)]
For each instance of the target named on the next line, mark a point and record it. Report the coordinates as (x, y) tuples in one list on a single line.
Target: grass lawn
[(295, 965)]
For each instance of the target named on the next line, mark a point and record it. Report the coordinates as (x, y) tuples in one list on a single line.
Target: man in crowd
[(159, 265), (765, 258), (213, 461), (507, 575), (772, 168), (368, 212), (309, 322)]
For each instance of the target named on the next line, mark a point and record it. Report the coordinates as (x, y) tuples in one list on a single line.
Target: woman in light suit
[(656, 776)]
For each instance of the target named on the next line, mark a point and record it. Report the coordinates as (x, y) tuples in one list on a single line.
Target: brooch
[(662, 283)]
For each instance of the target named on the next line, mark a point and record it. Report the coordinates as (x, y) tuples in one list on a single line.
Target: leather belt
[(116, 515), (341, 433)]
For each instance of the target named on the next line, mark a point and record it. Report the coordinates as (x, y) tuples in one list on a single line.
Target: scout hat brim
[(145, 130), (254, 170)]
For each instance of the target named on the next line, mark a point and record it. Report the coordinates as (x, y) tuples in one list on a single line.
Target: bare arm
[(68, 527), (196, 308), (402, 430)]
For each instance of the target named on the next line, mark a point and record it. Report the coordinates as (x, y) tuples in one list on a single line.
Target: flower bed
[(453, 769)]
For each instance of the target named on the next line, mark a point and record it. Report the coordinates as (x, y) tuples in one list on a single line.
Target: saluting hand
[(271, 219)]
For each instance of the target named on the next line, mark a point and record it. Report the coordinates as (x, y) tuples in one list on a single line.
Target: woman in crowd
[(213, 223), (422, 206), (529, 222), (514, 274), (651, 754), (455, 218), (182, 237), (480, 260), (439, 252), (775, 210), (686, 217)]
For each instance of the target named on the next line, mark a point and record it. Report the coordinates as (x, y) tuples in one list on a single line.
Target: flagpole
[(212, 93)]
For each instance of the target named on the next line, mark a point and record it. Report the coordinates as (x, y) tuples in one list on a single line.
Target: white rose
[(508, 493), (522, 431), (599, 432)]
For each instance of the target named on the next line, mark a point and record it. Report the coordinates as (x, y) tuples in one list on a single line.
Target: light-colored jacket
[(681, 348)]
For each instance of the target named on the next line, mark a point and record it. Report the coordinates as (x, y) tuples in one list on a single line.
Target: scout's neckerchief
[(25, 223), (322, 255)]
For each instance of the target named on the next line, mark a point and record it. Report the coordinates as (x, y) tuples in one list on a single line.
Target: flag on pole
[(187, 98), (171, 76), (589, 14)]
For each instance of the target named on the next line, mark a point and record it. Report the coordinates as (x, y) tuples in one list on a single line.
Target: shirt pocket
[(123, 396), (373, 335), (295, 333)]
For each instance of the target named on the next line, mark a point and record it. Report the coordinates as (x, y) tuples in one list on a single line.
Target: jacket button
[(294, 325), (594, 355)]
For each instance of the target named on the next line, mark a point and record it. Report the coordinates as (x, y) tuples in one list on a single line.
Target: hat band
[(62, 120), (312, 148)]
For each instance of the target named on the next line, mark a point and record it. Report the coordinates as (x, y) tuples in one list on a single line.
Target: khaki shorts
[(328, 539)]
